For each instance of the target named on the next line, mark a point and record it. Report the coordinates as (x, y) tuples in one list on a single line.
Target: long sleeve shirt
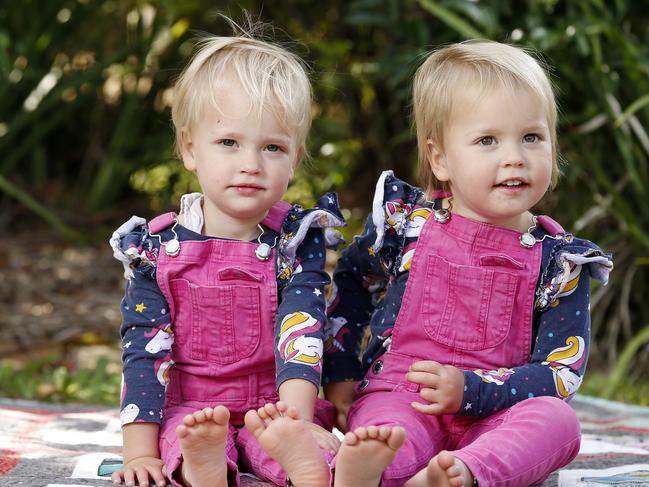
[(369, 287)]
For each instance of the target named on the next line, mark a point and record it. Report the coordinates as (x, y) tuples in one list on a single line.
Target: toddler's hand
[(341, 395), (325, 439), (141, 469), (441, 385)]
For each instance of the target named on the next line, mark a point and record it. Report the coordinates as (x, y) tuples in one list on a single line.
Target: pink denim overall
[(468, 302), (223, 303)]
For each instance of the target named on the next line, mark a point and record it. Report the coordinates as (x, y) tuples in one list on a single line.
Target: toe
[(272, 411), (397, 437), (372, 432), (221, 415), (350, 438), (445, 460), (254, 423), (181, 431)]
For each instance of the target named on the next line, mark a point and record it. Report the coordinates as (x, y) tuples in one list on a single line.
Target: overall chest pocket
[(221, 323), (468, 307)]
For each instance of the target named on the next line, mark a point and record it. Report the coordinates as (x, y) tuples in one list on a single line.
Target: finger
[(116, 477), (129, 476), (426, 366), (426, 408), (327, 441), (430, 395), (428, 379), (156, 475), (142, 477), (341, 423)]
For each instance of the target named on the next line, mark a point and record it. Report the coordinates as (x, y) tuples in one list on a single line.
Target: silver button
[(377, 366), (364, 383), (172, 247), (263, 251)]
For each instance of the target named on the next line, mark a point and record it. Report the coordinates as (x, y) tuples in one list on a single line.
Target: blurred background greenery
[(86, 139)]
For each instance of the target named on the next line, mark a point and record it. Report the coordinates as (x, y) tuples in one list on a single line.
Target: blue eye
[(273, 148), (488, 140), (531, 138)]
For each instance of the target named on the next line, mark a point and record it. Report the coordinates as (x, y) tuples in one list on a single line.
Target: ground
[(53, 294)]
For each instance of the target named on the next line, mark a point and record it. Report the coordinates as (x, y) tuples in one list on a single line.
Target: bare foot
[(444, 470), (366, 453), (202, 436), (286, 439)]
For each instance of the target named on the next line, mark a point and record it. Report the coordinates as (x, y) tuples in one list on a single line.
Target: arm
[(562, 334), (349, 312), (299, 329), (141, 455), (358, 273), (555, 368), (146, 343)]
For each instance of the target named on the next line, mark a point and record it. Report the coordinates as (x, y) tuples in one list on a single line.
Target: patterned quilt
[(45, 445)]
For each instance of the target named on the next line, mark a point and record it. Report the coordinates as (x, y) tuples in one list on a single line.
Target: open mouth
[(512, 183)]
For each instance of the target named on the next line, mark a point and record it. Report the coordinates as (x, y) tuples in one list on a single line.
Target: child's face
[(243, 162), (496, 157)]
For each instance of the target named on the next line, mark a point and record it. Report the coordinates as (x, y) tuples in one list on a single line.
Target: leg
[(202, 438), (285, 438), (444, 470), (534, 438), (378, 443), (189, 438), (424, 435)]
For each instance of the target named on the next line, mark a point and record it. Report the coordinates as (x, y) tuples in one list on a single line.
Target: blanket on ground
[(45, 445)]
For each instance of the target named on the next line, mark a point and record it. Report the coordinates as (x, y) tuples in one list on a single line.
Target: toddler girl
[(224, 307), (478, 308)]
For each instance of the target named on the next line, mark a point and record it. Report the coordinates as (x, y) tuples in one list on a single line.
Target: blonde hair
[(447, 72), (274, 78)]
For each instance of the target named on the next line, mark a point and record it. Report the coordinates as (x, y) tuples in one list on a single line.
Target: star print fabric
[(369, 284), (147, 329)]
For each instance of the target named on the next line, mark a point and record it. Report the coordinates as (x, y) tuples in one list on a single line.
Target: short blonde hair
[(446, 73), (274, 78)]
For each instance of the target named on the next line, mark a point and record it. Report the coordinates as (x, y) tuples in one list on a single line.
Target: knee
[(558, 415)]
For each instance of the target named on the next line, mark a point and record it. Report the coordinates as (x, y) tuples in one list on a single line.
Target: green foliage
[(50, 380), (84, 111)]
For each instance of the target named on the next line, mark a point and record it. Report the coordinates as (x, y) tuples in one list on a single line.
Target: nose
[(513, 156), (251, 162)]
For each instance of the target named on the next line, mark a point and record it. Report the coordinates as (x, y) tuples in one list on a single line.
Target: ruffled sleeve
[(302, 279), (569, 258), (326, 215)]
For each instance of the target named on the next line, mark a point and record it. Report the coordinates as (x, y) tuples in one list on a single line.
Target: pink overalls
[(223, 302), (468, 302)]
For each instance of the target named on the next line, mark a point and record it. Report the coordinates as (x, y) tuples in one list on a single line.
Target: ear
[(436, 160), (187, 149)]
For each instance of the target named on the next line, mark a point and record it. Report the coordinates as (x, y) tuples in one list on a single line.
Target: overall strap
[(276, 215), (550, 225), (161, 222)]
